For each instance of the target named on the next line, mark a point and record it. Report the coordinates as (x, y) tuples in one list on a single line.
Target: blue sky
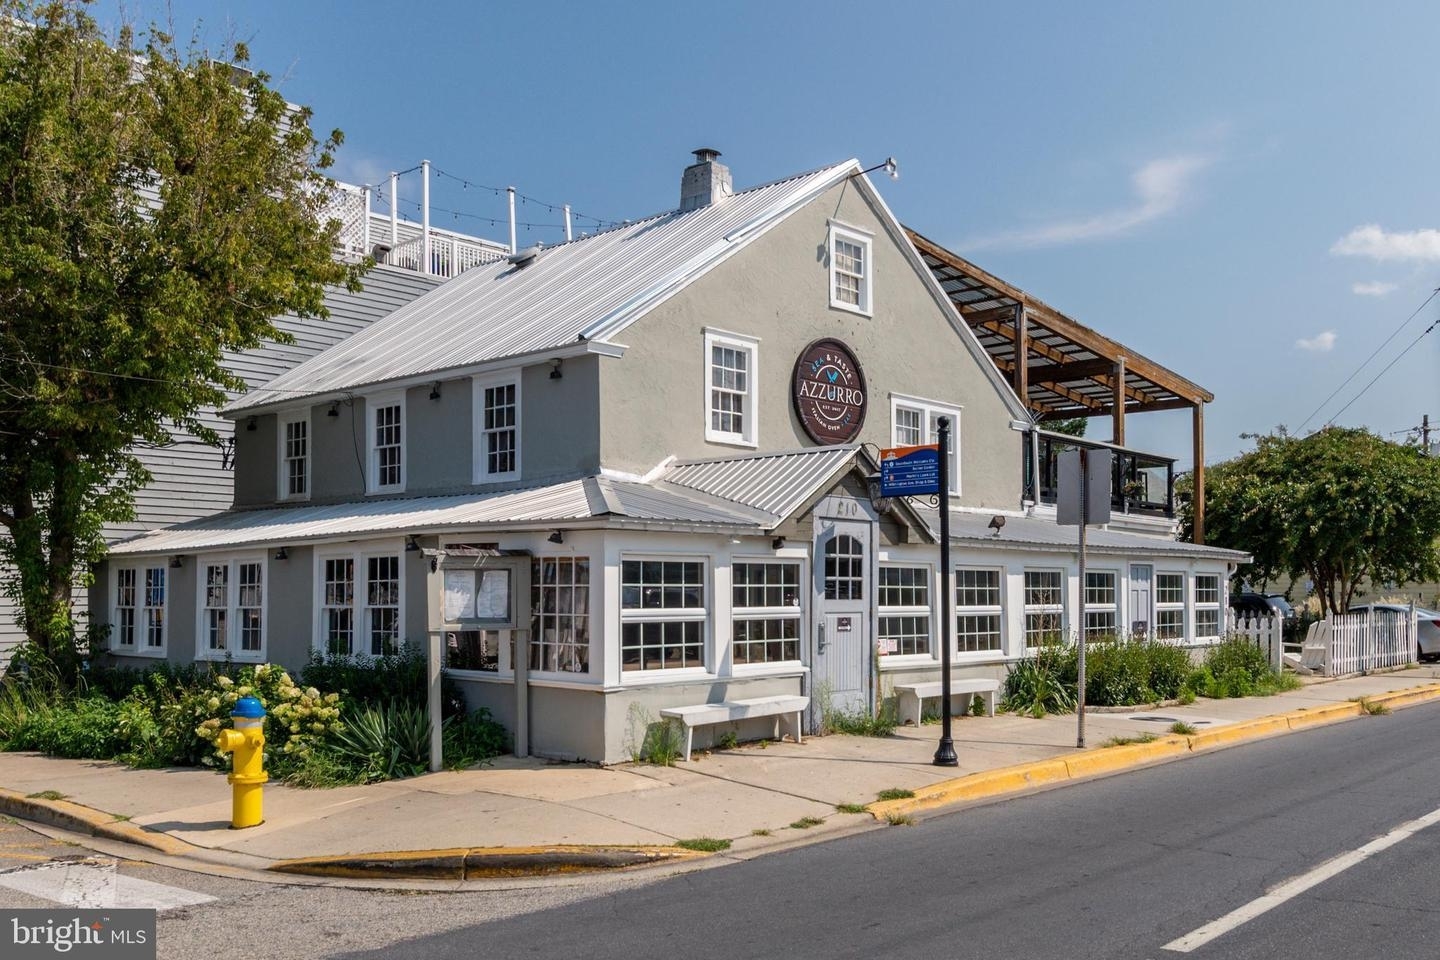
[(1243, 192)]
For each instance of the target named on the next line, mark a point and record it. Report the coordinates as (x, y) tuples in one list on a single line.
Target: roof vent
[(705, 181), (524, 258)]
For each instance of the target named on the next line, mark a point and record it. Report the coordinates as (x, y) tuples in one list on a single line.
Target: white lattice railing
[(347, 204), (1373, 640)]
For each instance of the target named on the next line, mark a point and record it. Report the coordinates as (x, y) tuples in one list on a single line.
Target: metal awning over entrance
[(1059, 367)]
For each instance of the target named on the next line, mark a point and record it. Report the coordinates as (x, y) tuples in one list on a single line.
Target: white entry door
[(841, 661), (1142, 604)]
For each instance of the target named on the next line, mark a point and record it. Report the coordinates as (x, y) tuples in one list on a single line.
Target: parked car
[(1251, 606), (1427, 625)]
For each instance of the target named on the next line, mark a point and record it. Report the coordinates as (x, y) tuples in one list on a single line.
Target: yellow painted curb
[(472, 863), (1110, 759), (1232, 733), (82, 819), (977, 786), (1312, 716), (1408, 697)]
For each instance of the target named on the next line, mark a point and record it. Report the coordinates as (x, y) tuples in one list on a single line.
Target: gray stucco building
[(631, 472)]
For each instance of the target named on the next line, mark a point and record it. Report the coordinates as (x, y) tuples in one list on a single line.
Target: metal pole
[(945, 752), (510, 192), (425, 216), (434, 661), (394, 210), (568, 234), (1080, 639)]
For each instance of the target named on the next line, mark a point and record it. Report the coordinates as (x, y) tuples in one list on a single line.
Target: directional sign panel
[(910, 471)]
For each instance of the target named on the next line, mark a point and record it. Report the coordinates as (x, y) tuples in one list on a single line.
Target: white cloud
[(1161, 186), (1320, 343), (1376, 288), (1373, 242)]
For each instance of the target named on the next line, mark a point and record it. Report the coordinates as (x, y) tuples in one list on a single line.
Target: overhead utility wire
[(1385, 371), (137, 377), (1433, 294)]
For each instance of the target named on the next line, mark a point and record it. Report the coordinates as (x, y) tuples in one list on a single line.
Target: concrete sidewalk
[(570, 816)]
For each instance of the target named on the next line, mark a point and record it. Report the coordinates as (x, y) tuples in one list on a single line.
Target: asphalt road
[(1115, 868)]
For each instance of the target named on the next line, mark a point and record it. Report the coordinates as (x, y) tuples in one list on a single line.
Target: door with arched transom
[(840, 661)]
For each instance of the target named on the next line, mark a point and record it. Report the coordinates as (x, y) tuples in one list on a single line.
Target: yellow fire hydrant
[(247, 742)]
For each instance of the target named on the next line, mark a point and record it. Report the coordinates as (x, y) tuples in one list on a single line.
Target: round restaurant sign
[(828, 391)]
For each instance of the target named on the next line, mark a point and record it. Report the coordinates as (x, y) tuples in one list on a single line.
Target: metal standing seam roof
[(776, 483), (973, 530), (590, 498), (579, 290)]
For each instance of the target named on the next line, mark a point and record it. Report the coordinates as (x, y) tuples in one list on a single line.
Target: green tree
[(1338, 506), (159, 208), (1074, 426)]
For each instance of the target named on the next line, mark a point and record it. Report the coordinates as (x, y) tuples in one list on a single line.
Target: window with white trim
[(560, 618), (731, 387), (139, 622), (765, 617), (904, 599), (1100, 610), (497, 428), (294, 437), (978, 610), (387, 443), (232, 608), (915, 422), (360, 604), (662, 614), (1207, 605), (851, 269), (1044, 607), (1169, 606)]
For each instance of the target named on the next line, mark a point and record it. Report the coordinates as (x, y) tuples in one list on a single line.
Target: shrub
[(385, 742), (1117, 673), (85, 728), (1037, 685), (1236, 667), (473, 738), (378, 681)]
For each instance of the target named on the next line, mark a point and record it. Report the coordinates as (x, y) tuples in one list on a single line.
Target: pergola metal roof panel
[(1056, 341)]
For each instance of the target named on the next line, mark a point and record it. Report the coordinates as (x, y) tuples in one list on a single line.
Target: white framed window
[(232, 608), (732, 384), (560, 614), (914, 422), (360, 602), (852, 271), (1207, 606), (138, 624), (497, 427), (1169, 606), (979, 610), (662, 614), (765, 611), (1100, 610), (904, 600), (1044, 607), (386, 442), (293, 436)]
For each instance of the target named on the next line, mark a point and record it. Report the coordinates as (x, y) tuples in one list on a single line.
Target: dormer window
[(851, 269), (731, 397), (387, 443), (497, 427)]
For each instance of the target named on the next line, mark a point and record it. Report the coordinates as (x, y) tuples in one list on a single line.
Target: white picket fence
[(1268, 633), (1373, 640)]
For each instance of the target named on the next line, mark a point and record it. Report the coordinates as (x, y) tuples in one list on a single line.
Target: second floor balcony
[(1140, 483)]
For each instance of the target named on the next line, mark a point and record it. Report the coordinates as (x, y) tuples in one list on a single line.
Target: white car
[(1427, 623)]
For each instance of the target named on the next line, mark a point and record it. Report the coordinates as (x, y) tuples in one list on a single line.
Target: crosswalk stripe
[(96, 883)]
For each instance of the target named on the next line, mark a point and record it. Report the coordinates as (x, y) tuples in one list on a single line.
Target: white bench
[(912, 695), (704, 714)]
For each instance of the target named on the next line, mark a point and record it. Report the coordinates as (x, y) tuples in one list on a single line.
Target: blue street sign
[(910, 471)]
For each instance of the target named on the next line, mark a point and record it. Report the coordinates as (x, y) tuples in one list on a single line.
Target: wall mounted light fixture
[(176, 562), (555, 373), (250, 424), (411, 544), (556, 536), (435, 390), (777, 544), (282, 554), (334, 409)]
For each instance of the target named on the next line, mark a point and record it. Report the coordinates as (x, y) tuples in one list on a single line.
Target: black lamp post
[(945, 752)]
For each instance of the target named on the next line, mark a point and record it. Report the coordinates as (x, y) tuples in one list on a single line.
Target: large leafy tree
[(157, 209), (1339, 506)]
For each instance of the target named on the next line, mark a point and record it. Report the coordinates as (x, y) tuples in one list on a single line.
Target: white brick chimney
[(705, 181)]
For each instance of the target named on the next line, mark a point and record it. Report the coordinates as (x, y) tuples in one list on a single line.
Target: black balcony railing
[(1141, 483)]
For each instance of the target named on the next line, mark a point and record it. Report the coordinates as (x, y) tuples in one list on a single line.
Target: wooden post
[(1022, 356), (1197, 430), (1118, 414)]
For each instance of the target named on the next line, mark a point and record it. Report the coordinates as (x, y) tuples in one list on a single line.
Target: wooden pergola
[(1061, 368)]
